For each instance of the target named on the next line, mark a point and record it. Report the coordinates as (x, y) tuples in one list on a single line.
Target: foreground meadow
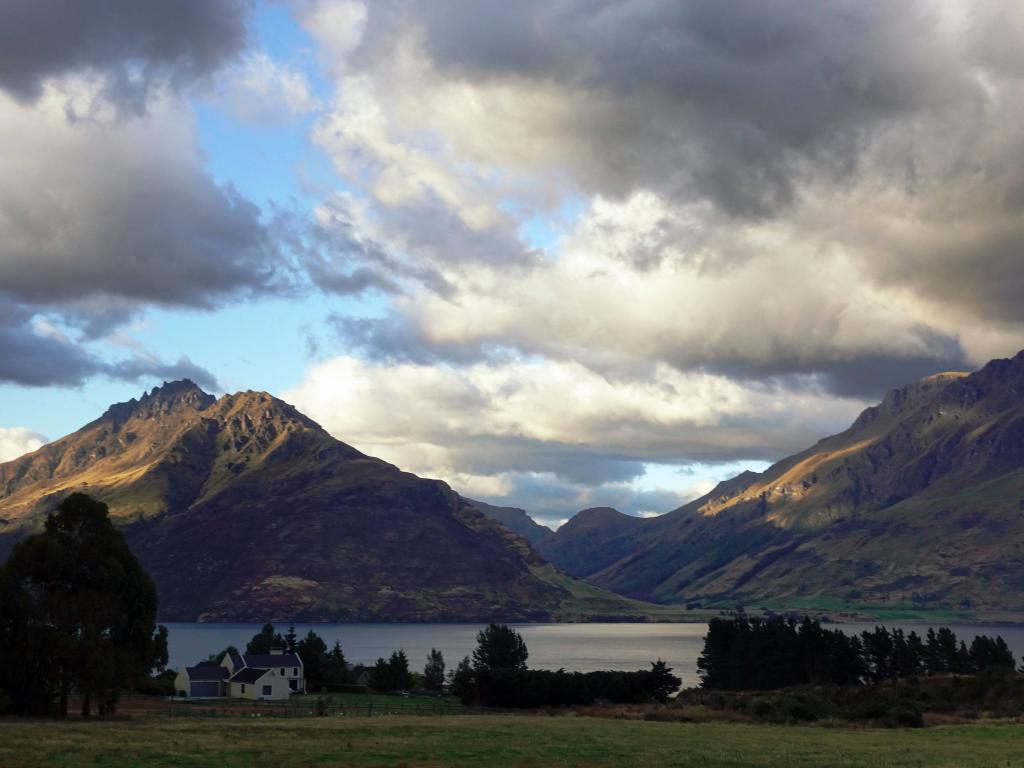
[(512, 740)]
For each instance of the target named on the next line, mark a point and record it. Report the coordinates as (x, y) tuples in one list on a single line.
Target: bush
[(158, 685)]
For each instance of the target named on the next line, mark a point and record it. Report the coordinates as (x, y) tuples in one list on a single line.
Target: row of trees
[(765, 654), (497, 676), (77, 615)]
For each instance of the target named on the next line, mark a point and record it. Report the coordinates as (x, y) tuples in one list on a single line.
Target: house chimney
[(277, 650)]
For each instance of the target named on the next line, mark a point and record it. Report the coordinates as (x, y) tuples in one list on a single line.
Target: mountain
[(592, 540), (920, 503), (243, 509), (517, 521)]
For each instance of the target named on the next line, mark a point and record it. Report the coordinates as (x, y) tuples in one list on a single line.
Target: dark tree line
[(391, 674), (766, 654), (497, 676), (77, 615)]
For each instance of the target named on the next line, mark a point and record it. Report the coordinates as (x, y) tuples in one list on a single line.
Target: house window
[(295, 672), (282, 672), (268, 690), (243, 687)]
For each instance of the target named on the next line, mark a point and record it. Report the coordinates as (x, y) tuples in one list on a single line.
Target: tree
[(313, 651), (461, 680), (219, 657), (264, 640), (391, 674), (77, 612), (336, 670), (380, 676), (398, 666), (291, 639), (161, 650), (500, 647), (433, 672), (661, 682)]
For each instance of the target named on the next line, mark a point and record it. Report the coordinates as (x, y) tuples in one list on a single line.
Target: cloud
[(769, 190), (144, 366), (631, 287), (34, 357), (133, 48), (120, 209), (260, 90), (16, 441), (483, 425), (35, 352)]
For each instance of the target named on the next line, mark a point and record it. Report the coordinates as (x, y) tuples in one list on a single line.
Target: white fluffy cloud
[(489, 428), (16, 441)]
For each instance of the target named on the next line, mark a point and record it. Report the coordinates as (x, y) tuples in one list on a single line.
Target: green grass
[(492, 740)]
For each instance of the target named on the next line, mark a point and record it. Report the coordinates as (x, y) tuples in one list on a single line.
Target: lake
[(575, 647)]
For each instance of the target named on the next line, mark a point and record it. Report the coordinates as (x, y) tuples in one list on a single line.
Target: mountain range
[(918, 504), (243, 509)]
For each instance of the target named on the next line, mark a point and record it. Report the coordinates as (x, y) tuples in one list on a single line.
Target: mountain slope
[(241, 508), (517, 521), (920, 501)]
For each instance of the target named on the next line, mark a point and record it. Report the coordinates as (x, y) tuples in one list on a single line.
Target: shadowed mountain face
[(920, 501), (517, 521), (241, 508)]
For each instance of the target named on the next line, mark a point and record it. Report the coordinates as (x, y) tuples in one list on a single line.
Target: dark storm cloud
[(727, 101), (32, 358), (133, 44), (166, 235), (864, 376)]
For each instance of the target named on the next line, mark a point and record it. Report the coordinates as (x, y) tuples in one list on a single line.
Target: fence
[(256, 709)]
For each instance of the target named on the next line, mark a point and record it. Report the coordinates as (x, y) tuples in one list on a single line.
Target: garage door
[(206, 689)]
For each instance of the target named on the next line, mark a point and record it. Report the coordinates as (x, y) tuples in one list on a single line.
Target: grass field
[(492, 740)]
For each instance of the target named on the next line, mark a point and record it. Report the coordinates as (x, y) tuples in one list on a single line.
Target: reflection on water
[(575, 647)]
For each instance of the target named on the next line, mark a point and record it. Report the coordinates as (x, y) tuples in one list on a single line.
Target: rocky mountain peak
[(161, 401)]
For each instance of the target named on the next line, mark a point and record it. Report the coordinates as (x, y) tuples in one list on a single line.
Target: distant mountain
[(592, 540), (920, 503), (517, 521), (242, 508)]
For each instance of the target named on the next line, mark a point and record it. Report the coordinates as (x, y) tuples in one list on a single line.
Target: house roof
[(206, 670), (272, 660), (236, 659), (248, 675)]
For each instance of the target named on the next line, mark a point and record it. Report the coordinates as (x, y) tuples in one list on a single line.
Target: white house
[(271, 676), (254, 683)]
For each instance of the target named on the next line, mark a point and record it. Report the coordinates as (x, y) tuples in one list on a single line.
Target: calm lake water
[(575, 647)]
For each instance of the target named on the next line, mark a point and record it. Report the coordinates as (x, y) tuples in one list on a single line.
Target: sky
[(559, 254)]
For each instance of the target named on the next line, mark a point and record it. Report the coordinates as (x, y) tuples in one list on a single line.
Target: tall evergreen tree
[(77, 612), (336, 671), (291, 639), (433, 672), (398, 669)]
